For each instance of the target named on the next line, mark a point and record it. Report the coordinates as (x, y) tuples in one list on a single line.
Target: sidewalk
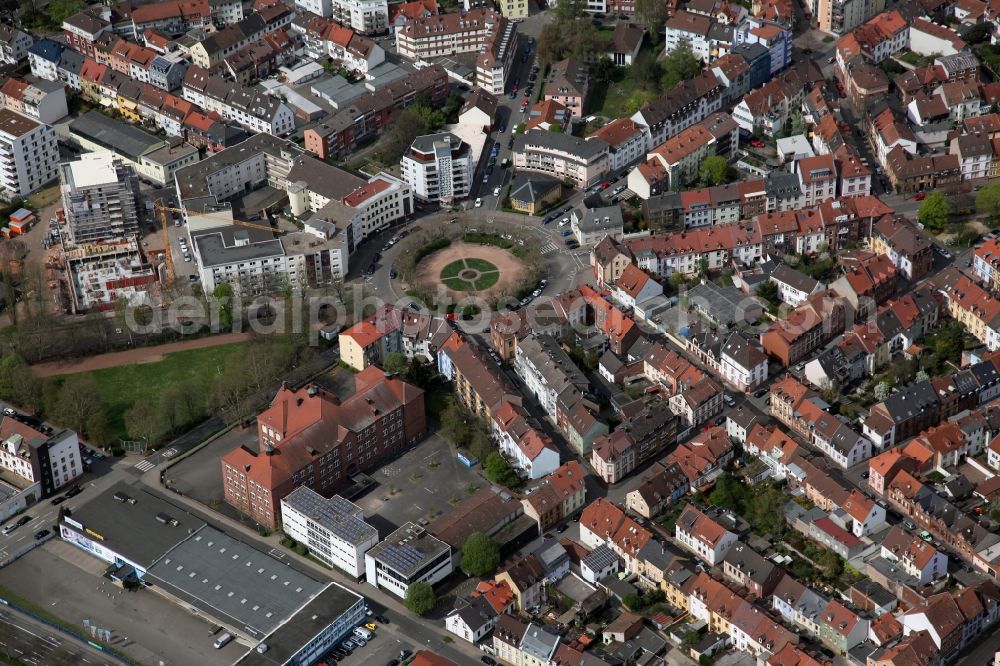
[(460, 651)]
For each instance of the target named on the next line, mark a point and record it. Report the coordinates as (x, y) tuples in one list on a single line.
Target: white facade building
[(29, 155), (439, 168), (14, 44), (332, 529), (408, 555), (742, 363)]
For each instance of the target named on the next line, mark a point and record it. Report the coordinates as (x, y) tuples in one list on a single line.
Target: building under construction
[(101, 198), (101, 273)]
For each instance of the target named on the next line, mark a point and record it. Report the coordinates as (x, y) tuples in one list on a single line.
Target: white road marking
[(144, 465)]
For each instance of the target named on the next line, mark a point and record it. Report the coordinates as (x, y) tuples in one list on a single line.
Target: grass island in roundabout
[(470, 274)]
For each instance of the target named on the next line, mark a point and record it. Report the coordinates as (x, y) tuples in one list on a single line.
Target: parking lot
[(68, 583), (384, 646), (199, 476), (419, 486)]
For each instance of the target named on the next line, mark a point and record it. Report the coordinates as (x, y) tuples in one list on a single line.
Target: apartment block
[(29, 156), (101, 198)]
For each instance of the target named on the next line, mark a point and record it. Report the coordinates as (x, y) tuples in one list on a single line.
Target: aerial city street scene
[(503, 332)]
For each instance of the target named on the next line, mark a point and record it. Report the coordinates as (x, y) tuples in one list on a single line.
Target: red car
[(451, 316), (757, 143), (919, 196), (513, 88), (605, 185)]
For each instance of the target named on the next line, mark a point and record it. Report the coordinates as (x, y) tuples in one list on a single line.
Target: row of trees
[(77, 401)]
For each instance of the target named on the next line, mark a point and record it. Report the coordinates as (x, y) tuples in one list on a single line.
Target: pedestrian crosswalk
[(144, 465), (548, 248)]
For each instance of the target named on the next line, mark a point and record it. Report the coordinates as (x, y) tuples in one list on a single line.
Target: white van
[(363, 633), (223, 640)]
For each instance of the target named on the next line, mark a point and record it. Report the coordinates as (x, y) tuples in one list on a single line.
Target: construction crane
[(167, 258), (165, 220)]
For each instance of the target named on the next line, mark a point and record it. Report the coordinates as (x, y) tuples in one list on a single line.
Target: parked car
[(479, 203), (7, 411), (41, 534), (496, 191)]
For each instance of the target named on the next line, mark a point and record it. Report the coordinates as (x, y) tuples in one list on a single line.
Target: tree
[(78, 403), (419, 598), (988, 200), (679, 65), (480, 555), (59, 10), (18, 384), (645, 72), (143, 422), (396, 363), (715, 170), (881, 391), (830, 563), (728, 492), (454, 425), (768, 291), (480, 444), (224, 296), (978, 33), (933, 213), (498, 470), (652, 15)]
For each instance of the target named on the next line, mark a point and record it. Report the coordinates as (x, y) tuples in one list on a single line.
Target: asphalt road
[(33, 642)]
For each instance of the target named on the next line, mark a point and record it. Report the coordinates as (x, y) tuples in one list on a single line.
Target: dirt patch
[(511, 270), (140, 355)]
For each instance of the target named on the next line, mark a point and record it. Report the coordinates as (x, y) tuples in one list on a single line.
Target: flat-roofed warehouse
[(146, 538)]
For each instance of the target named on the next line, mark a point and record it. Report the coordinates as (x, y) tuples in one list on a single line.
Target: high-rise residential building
[(364, 16), (438, 167), (101, 197), (29, 155)]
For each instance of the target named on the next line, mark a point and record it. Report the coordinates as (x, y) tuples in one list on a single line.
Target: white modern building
[(332, 529), (343, 210), (562, 156), (100, 195), (364, 16), (439, 168), (29, 155), (407, 556)]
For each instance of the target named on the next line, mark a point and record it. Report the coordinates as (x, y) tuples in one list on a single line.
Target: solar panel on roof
[(401, 557)]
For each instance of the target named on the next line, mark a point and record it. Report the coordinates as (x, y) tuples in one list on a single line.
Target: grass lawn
[(622, 96), (44, 197), (121, 387), (452, 269), (457, 284), (480, 265), (487, 280)]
